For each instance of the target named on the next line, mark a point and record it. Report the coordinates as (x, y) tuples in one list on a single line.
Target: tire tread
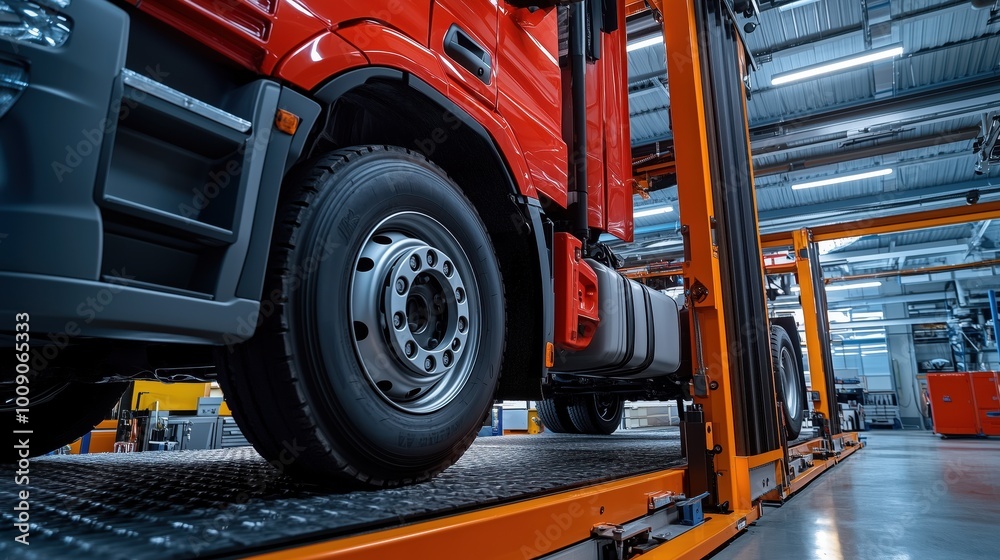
[(264, 365)]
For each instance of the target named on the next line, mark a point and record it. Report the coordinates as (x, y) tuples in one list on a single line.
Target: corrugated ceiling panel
[(778, 28), (955, 62), (950, 25)]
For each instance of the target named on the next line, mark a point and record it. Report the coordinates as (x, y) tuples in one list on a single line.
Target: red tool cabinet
[(965, 403)]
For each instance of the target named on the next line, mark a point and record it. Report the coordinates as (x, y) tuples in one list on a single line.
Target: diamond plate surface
[(232, 502)]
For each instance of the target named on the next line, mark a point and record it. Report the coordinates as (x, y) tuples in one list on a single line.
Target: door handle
[(469, 54)]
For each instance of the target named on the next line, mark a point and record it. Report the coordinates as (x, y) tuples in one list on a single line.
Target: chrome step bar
[(170, 95)]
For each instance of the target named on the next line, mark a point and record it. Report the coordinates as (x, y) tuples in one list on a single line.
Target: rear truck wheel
[(596, 414), (58, 414), (382, 326), (790, 380), (554, 413)]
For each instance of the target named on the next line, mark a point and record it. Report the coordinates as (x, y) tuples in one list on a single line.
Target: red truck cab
[(366, 220)]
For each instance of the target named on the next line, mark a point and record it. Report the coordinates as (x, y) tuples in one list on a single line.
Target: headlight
[(13, 80), (34, 22)]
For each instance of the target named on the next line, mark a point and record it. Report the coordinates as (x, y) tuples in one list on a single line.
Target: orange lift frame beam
[(812, 313), (893, 224), (697, 205)]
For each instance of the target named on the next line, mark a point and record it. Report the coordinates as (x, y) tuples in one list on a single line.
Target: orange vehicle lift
[(734, 450), (805, 266)]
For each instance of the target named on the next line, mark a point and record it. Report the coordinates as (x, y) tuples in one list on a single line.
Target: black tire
[(58, 414), (319, 389), (596, 414), (790, 381), (554, 413)]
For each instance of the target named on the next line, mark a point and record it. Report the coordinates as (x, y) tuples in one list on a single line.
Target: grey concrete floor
[(908, 495)]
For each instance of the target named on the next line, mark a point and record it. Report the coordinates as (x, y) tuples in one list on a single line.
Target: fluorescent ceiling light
[(840, 287), (874, 352), (843, 179), (667, 243), (795, 4), (868, 315), (828, 246), (644, 43), (872, 346), (653, 212), (836, 65)]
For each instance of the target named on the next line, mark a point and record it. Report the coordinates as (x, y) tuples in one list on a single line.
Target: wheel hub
[(786, 370), (411, 311), (606, 405), (430, 313)]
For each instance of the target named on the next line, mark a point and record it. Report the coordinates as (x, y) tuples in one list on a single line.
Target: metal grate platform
[(231, 502)]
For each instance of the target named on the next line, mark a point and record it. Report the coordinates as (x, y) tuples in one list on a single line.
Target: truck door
[(464, 36), (530, 96)]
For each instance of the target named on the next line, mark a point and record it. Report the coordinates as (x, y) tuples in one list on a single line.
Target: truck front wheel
[(382, 327)]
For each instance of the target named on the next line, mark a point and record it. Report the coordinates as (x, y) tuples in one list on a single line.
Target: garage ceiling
[(910, 122)]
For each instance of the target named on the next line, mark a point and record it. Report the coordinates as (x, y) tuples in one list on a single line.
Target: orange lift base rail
[(541, 526), (849, 444), (535, 527)]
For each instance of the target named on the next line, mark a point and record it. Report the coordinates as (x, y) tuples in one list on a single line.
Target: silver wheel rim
[(786, 370), (414, 311), (607, 407)]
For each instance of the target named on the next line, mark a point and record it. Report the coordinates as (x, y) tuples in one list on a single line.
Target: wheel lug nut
[(429, 364), (460, 295), (446, 359), (446, 267), (462, 324), (401, 286), (398, 320), (456, 344), (431, 258), (410, 349), (414, 263)]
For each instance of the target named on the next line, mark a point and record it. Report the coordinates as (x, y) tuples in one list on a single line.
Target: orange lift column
[(816, 321), (702, 274), (719, 341)]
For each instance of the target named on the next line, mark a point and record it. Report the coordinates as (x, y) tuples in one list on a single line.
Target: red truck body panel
[(306, 43), (255, 33), (479, 20), (530, 95), (617, 137)]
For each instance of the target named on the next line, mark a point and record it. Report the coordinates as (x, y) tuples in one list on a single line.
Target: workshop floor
[(908, 495)]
